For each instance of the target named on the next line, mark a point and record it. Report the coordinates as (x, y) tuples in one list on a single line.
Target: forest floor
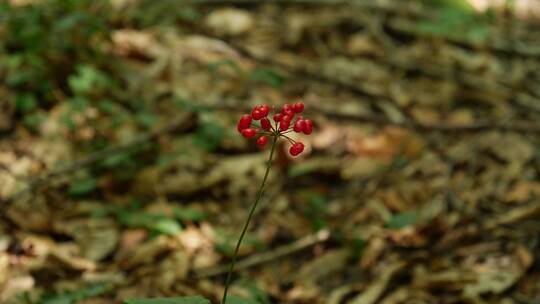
[(122, 174)]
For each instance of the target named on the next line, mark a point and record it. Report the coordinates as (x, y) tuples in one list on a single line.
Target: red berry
[(244, 122), (278, 117), (298, 107), (257, 113), (296, 148), (308, 126), (262, 141), (248, 133), (299, 125), (264, 109), (265, 124), (260, 111), (284, 125), (288, 117), (287, 109)]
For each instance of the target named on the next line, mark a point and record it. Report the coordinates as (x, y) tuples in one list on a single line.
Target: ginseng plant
[(283, 124), (265, 130)]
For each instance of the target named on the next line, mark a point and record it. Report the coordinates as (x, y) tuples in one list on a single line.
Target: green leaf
[(13, 61), (146, 118), (358, 247), (216, 65), (267, 76), (188, 105), (403, 219), (34, 120), (82, 186), (208, 135), (151, 221), (189, 214), (68, 22), (86, 79), (25, 103), (462, 5), (239, 300), (316, 209), (106, 106), (172, 300), (117, 159), (74, 296), (166, 226), (256, 293), (78, 104)]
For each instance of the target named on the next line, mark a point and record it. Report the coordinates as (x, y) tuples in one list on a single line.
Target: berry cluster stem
[(246, 224)]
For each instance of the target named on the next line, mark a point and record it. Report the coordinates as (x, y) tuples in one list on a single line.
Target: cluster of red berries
[(283, 124)]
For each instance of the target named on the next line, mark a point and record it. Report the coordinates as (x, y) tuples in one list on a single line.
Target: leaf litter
[(421, 204)]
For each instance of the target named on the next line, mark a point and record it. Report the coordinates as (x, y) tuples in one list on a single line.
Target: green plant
[(245, 124), (44, 46)]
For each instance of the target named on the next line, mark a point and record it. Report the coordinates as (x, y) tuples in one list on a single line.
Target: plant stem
[(246, 224)]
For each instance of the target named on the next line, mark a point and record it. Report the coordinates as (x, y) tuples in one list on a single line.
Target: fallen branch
[(266, 257)]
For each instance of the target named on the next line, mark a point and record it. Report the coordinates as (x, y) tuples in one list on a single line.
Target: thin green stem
[(246, 224), (292, 141)]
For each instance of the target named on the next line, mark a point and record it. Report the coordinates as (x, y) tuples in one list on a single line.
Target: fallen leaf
[(523, 191), (229, 21), (375, 290), (364, 44)]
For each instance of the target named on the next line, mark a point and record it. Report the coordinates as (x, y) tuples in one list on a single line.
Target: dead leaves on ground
[(414, 216)]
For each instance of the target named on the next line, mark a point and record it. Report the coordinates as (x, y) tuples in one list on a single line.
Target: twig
[(266, 257)]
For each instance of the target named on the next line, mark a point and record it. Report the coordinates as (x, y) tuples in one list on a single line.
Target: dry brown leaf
[(376, 289), (229, 21), (207, 50), (15, 286), (135, 43), (514, 215), (373, 251), (387, 144), (328, 263), (364, 44), (4, 268), (69, 254), (461, 118), (360, 167), (97, 238), (173, 268), (147, 252), (327, 136), (409, 237), (497, 273), (426, 116), (499, 143), (130, 239), (523, 191), (200, 244), (449, 280)]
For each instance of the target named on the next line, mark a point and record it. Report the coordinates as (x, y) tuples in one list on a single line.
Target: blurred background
[(122, 173)]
